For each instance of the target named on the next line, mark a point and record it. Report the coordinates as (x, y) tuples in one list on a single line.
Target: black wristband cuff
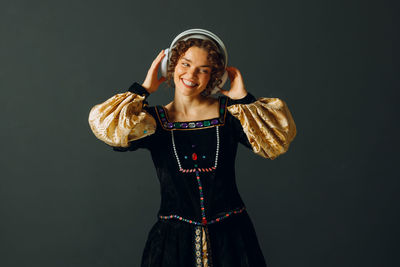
[(249, 98), (138, 89)]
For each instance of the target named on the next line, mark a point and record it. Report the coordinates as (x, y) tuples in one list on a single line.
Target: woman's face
[(194, 69)]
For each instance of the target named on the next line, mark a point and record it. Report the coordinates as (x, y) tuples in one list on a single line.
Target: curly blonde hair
[(215, 59)]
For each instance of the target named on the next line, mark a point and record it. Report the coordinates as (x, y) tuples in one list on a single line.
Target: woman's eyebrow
[(191, 61)]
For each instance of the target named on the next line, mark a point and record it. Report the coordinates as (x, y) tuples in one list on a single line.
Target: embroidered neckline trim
[(192, 125)]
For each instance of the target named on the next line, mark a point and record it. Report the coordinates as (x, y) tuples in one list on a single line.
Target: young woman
[(193, 141)]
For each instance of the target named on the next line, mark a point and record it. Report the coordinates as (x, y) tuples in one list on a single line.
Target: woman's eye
[(187, 65)]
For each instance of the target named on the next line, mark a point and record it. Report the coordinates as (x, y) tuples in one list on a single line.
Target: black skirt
[(231, 242)]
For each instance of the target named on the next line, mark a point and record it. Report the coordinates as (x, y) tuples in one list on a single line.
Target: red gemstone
[(194, 156), (204, 221)]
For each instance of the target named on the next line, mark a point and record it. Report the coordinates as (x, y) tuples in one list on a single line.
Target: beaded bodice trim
[(218, 219), (202, 247), (195, 169), (192, 125)]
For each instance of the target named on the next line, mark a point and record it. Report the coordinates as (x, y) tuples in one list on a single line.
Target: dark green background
[(67, 199)]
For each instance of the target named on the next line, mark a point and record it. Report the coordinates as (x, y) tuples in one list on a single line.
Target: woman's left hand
[(237, 90)]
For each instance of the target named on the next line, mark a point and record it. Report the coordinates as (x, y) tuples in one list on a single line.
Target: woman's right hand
[(151, 83)]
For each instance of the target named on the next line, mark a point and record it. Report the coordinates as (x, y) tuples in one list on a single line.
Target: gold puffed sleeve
[(121, 119), (268, 125)]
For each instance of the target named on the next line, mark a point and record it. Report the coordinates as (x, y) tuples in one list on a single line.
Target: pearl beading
[(196, 169)]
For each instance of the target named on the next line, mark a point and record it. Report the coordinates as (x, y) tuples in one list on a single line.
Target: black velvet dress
[(202, 220)]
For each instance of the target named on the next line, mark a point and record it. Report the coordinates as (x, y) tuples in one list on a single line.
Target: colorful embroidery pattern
[(197, 246), (198, 169), (190, 125), (226, 215), (207, 250), (202, 250)]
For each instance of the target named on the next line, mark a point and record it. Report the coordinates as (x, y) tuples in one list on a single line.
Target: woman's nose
[(192, 72)]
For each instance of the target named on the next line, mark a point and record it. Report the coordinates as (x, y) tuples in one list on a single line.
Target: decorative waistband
[(226, 215)]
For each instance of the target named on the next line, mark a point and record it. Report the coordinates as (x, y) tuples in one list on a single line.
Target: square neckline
[(167, 117), (162, 115)]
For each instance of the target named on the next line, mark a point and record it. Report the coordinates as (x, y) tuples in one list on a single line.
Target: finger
[(158, 61), (234, 69), (224, 92), (230, 75), (160, 53), (161, 56), (161, 80), (237, 71), (158, 58)]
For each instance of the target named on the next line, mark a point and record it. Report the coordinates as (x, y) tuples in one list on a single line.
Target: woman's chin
[(188, 92)]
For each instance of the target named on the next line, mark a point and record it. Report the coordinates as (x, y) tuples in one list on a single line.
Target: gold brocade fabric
[(204, 248), (268, 124), (121, 119)]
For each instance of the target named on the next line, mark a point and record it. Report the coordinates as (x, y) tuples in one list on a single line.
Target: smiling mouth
[(188, 86)]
